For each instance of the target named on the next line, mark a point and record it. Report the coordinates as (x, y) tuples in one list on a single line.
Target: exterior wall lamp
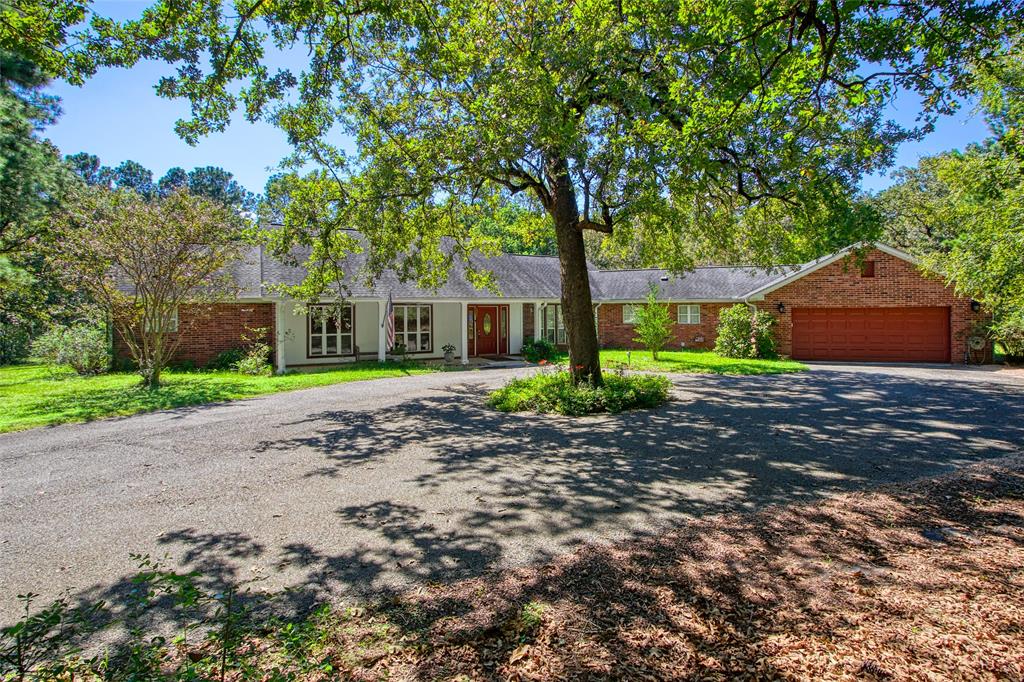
[(975, 306), (781, 307)]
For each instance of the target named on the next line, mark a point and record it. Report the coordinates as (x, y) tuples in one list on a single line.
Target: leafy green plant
[(15, 342), (255, 359), (226, 359), (653, 323), (535, 350), (745, 333), (42, 644), (556, 392), (82, 346)]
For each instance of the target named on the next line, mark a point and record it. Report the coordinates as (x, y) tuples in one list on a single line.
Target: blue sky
[(117, 116)]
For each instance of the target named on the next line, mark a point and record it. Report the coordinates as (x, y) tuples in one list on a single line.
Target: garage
[(916, 334)]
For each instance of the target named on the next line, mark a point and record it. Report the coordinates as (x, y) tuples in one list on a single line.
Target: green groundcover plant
[(555, 392)]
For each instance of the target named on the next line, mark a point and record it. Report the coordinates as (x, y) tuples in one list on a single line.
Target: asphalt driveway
[(374, 485)]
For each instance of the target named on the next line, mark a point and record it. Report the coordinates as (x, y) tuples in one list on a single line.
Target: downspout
[(597, 325)]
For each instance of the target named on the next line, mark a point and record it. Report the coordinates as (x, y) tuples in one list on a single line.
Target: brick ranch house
[(882, 309)]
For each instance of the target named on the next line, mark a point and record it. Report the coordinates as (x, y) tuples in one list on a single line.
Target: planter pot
[(449, 357)]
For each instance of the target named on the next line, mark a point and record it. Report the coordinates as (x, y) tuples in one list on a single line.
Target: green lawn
[(693, 362), (30, 396)]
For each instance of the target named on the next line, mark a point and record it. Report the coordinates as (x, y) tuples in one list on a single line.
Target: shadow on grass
[(84, 406)]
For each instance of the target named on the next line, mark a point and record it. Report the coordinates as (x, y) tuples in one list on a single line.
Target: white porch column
[(279, 333), (464, 307), (382, 337), (537, 320)]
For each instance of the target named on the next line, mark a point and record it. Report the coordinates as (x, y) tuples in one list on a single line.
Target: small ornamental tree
[(144, 259), (653, 323)]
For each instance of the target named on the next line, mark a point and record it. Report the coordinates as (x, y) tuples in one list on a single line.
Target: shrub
[(555, 392), (83, 346), (653, 323), (535, 350), (256, 355), (226, 359), (743, 333), (1009, 331), (15, 342)]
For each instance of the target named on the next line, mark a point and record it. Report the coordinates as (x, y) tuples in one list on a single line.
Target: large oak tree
[(677, 122)]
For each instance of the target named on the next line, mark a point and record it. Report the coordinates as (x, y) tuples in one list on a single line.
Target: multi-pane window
[(688, 314), (628, 314), (413, 327), (168, 325), (552, 326), (330, 330)]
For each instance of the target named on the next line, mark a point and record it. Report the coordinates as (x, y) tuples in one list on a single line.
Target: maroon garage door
[(871, 334)]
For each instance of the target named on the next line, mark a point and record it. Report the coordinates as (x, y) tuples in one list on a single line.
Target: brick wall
[(528, 321), (614, 333), (897, 283), (208, 330)]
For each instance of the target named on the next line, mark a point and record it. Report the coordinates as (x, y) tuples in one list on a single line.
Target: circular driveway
[(378, 484)]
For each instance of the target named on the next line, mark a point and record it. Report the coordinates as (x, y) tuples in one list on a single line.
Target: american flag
[(389, 324)]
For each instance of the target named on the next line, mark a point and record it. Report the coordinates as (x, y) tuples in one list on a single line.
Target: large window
[(688, 314), (414, 328), (330, 330), (552, 326), (628, 314)]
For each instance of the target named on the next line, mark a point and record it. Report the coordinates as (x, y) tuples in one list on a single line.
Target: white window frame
[(688, 313), (171, 326), (403, 336), (628, 313), (311, 315), (553, 325)]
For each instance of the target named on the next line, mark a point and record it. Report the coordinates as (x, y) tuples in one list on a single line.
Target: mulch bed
[(922, 581)]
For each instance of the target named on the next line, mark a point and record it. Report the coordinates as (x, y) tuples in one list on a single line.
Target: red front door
[(486, 330)]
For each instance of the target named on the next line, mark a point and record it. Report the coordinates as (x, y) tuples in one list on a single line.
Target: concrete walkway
[(373, 485)]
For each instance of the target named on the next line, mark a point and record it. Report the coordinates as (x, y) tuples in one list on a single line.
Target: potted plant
[(398, 351), (449, 352)]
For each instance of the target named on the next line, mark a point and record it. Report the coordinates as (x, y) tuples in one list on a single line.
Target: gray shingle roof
[(709, 283), (516, 276)]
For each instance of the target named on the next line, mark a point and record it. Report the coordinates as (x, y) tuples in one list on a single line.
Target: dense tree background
[(962, 212), (211, 182), (33, 182)]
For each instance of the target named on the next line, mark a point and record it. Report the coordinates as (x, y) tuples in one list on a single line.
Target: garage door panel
[(871, 334)]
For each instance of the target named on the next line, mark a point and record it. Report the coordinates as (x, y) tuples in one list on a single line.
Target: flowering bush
[(743, 333), (555, 392)]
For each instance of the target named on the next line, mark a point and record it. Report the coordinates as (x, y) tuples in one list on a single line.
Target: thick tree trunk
[(577, 307)]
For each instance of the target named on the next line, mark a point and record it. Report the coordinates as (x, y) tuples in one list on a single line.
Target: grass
[(31, 396), (554, 392), (693, 362)]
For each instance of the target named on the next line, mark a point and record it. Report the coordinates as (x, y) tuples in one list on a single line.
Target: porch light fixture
[(781, 307), (975, 306)]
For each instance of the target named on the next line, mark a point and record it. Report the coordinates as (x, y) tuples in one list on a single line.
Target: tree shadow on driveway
[(463, 488), (502, 488)]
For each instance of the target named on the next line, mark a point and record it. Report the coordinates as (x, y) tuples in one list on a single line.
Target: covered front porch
[(333, 334)]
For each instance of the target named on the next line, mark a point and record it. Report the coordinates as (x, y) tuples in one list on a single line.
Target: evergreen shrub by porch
[(554, 392), (745, 333), (535, 350)]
